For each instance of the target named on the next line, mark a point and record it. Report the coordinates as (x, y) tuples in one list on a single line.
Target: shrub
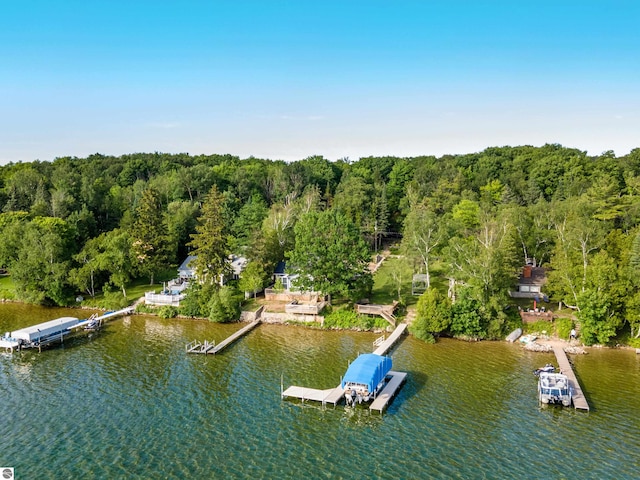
[(563, 327), (433, 316), (167, 312), (114, 300), (347, 318), (224, 305)]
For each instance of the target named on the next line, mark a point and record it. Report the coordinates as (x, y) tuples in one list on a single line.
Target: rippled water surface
[(128, 402)]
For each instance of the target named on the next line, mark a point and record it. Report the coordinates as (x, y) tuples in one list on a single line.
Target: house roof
[(238, 263), (536, 276), (280, 268), (185, 265)]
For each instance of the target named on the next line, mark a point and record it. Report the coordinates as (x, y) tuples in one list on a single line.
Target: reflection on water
[(128, 402)]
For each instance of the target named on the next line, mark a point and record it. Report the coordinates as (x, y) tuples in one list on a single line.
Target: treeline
[(93, 224)]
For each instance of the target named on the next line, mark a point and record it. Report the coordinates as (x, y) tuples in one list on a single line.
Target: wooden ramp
[(206, 347), (331, 395), (382, 400), (579, 401), (385, 346)]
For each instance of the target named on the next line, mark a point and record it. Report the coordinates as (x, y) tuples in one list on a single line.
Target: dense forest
[(88, 225)]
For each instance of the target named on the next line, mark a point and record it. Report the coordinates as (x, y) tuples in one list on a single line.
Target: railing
[(385, 311), (379, 341), (370, 309), (163, 299), (304, 308)]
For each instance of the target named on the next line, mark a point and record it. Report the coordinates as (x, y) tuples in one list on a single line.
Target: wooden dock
[(385, 346), (212, 348), (389, 390), (579, 400)]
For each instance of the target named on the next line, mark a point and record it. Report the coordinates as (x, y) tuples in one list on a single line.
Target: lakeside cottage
[(530, 283), (286, 279), (174, 291), (237, 264), (186, 270)]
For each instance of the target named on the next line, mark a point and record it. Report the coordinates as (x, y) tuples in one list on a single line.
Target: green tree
[(252, 278), (149, 235), (599, 319), (249, 218), (331, 255), (433, 315), (209, 243), (40, 270), (468, 318), (224, 305), (422, 236)]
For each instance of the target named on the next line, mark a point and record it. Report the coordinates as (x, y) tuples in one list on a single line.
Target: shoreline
[(541, 344)]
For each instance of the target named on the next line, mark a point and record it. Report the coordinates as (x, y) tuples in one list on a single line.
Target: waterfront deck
[(389, 390), (386, 345), (579, 400), (212, 348), (384, 311)]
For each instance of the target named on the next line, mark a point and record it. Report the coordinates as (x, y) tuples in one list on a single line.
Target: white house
[(186, 270), (286, 279), (237, 263)]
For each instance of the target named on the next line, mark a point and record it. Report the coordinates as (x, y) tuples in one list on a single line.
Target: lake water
[(128, 402)]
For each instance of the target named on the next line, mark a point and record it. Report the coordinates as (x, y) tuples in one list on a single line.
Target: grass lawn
[(385, 284), (135, 289)]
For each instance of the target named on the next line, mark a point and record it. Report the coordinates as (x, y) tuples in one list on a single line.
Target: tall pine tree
[(149, 235), (209, 243)]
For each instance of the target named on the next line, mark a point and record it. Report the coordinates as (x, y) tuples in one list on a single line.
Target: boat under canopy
[(368, 370)]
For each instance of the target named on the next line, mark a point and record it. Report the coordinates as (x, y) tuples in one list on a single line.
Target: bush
[(347, 318), (433, 316), (537, 327), (167, 312), (114, 300), (143, 308), (225, 305), (563, 327)]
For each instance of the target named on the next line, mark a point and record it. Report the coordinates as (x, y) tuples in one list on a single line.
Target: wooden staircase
[(384, 311)]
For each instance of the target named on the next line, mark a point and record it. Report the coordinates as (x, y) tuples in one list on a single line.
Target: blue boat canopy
[(368, 369)]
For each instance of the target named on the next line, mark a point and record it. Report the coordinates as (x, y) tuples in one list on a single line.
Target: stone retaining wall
[(273, 317)]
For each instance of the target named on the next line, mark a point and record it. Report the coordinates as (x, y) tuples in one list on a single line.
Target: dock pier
[(330, 395), (335, 395), (385, 346), (211, 347), (389, 390), (46, 333), (578, 398)]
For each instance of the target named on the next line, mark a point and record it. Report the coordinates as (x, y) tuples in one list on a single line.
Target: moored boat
[(365, 378), (548, 368), (554, 388)]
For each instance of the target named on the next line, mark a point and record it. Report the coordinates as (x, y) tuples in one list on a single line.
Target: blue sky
[(289, 79)]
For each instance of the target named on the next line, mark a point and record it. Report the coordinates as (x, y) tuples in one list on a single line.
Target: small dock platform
[(212, 348), (579, 400), (389, 390), (386, 345), (330, 395)]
